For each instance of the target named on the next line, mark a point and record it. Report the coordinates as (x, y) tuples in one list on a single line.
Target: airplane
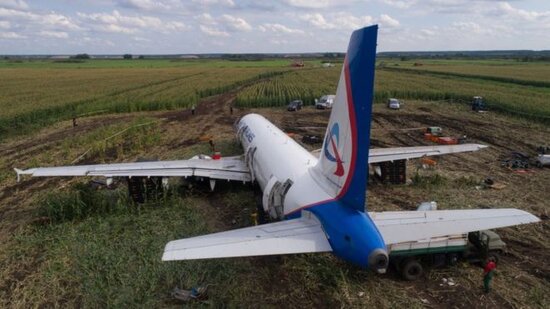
[(320, 199)]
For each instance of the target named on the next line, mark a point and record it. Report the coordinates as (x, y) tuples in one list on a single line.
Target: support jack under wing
[(306, 235)]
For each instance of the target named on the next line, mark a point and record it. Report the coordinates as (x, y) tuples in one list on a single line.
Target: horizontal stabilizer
[(405, 226), (301, 235)]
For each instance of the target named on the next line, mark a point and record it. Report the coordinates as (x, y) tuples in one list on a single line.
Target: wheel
[(411, 270), (539, 165)]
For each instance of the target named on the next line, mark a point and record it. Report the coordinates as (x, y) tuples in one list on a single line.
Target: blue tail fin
[(343, 164)]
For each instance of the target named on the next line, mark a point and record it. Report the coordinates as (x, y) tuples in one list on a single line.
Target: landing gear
[(141, 189)]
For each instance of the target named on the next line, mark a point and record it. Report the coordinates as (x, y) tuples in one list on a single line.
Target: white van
[(394, 103), (325, 101)]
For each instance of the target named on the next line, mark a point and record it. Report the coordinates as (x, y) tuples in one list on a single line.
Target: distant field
[(36, 93), (500, 96), (536, 73), (39, 96)]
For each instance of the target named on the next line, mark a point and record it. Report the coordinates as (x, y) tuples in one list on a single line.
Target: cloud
[(388, 21), (347, 21), (118, 23), (51, 19), (212, 31), (317, 20), (278, 28), (5, 24), (507, 9), (54, 34), (11, 35), (14, 4), (225, 3), (308, 3), (400, 4), (147, 5), (221, 26), (235, 23), (315, 4)]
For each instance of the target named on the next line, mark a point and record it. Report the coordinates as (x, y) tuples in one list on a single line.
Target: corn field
[(301, 84), (31, 98)]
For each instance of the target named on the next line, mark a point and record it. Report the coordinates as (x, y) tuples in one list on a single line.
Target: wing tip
[(18, 172)]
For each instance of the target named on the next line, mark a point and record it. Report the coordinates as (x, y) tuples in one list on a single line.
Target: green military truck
[(476, 247)]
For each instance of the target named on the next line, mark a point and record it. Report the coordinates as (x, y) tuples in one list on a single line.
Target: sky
[(276, 26)]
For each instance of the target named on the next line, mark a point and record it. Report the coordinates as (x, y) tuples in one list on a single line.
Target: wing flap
[(404, 226), (230, 168), (301, 235)]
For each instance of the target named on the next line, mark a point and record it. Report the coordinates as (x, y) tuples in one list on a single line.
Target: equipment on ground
[(435, 134), (478, 105), (516, 160), (409, 258)]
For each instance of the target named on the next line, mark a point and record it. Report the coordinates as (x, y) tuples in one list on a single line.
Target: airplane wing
[(229, 168), (300, 235), (405, 226), (306, 235), (378, 155)]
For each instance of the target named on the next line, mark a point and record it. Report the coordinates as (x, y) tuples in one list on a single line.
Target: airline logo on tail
[(332, 141)]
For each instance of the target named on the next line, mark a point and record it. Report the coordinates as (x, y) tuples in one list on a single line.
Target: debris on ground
[(543, 150), (489, 183), (312, 139), (449, 282), (515, 160), (435, 134), (196, 293), (427, 163)]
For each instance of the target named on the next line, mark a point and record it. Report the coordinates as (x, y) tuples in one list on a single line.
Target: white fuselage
[(280, 166)]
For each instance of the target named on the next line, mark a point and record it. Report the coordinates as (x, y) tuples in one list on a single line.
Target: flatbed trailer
[(408, 258)]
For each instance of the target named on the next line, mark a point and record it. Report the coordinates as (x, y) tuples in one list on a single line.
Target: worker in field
[(488, 274), (193, 110)]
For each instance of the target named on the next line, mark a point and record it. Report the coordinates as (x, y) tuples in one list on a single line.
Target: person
[(193, 110), (488, 274)]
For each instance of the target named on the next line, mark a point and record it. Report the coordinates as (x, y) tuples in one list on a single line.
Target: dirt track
[(526, 262)]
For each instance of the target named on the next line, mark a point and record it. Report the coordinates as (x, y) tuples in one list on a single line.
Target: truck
[(476, 247), (478, 105), (325, 102)]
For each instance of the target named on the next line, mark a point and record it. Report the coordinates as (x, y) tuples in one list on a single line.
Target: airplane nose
[(378, 260)]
